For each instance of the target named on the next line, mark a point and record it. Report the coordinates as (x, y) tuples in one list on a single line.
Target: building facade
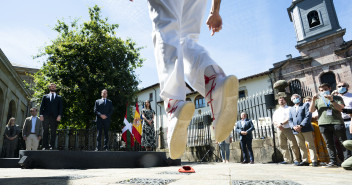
[(14, 95), (324, 55)]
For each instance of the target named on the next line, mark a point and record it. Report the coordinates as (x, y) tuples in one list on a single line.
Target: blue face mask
[(341, 90), (296, 100), (324, 93)]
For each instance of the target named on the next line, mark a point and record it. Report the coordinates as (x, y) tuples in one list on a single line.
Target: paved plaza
[(205, 173)]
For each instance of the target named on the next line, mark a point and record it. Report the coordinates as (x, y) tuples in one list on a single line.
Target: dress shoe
[(244, 162), (314, 164), (303, 164), (252, 162)]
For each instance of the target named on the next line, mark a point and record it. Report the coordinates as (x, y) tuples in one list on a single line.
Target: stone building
[(325, 56), (14, 95)]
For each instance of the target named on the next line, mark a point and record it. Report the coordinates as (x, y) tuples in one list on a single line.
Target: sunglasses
[(341, 86)]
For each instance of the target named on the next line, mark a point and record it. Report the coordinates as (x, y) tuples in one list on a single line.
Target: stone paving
[(206, 173)]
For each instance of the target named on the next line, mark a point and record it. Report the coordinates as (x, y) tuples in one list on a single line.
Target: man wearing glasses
[(342, 89)]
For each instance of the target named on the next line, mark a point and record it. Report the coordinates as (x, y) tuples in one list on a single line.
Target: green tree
[(83, 60)]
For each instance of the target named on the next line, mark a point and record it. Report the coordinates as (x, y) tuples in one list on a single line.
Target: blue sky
[(256, 33)]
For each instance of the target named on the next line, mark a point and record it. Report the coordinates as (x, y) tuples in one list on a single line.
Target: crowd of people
[(317, 129)]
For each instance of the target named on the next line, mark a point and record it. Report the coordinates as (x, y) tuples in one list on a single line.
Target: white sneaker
[(222, 96), (179, 117)]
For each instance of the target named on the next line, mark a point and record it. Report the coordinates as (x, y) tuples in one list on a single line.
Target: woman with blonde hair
[(10, 139)]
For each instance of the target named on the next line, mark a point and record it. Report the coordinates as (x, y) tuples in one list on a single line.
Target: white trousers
[(176, 29), (32, 142)]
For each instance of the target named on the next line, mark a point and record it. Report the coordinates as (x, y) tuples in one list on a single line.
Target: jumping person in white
[(176, 29)]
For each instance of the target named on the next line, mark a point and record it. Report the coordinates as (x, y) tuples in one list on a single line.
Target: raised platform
[(9, 163), (89, 159)]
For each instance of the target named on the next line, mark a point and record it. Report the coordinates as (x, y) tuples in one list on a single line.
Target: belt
[(32, 133), (348, 119)]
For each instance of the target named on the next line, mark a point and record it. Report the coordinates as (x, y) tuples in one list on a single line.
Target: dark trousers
[(328, 132), (49, 122), (348, 136), (103, 124), (246, 144)]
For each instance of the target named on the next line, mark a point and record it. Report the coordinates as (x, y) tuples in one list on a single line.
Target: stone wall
[(262, 148)]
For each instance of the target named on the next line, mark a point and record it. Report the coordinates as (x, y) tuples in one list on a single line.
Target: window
[(329, 78), (188, 99), (313, 19), (295, 87), (150, 96), (242, 94), (200, 102)]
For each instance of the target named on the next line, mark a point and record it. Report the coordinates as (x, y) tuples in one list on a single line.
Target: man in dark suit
[(245, 127), (32, 130), (300, 122), (103, 110), (50, 114)]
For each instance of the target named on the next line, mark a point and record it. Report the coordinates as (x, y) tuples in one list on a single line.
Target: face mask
[(296, 100), (341, 90), (324, 93)]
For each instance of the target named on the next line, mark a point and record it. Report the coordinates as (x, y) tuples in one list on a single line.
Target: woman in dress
[(148, 131), (10, 139)]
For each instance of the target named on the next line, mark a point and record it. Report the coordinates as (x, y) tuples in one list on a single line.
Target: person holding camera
[(330, 120), (342, 89)]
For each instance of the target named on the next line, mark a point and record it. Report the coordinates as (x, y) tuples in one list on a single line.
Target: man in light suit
[(103, 110), (245, 127), (32, 130), (300, 122), (51, 110)]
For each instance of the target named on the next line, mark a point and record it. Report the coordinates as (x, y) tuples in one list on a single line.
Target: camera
[(347, 111)]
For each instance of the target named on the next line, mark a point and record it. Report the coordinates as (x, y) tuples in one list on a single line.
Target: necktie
[(104, 101), (52, 96)]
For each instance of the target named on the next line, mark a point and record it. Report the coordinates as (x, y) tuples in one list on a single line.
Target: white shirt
[(51, 95), (347, 99), (34, 120), (281, 115), (243, 122)]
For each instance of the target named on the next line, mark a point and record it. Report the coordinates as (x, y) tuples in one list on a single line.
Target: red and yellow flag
[(137, 125)]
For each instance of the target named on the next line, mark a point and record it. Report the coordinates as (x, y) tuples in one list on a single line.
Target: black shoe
[(44, 149), (244, 162), (314, 164), (303, 164), (252, 162)]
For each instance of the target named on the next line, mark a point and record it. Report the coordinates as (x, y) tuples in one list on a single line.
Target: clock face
[(313, 19)]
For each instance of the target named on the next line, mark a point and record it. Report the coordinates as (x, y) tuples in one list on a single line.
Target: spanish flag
[(137, 125)]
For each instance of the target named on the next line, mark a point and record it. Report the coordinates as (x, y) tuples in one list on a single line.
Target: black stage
[(55, 159)]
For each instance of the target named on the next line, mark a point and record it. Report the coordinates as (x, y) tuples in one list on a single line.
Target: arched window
[(295, 87), (188, 99), (200, 102), (313, 19), (329, 78), (12, 110)]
